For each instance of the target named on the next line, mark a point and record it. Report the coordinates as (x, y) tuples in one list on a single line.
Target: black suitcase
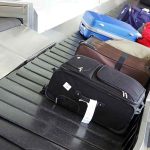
[(112, 96), (146, 2)]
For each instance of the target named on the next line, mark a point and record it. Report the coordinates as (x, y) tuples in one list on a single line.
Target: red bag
[(145, 40)]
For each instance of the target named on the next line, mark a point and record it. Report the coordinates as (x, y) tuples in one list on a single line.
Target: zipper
[(95, 85), (124, 94)]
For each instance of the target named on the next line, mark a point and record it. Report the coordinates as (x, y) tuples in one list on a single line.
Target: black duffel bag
[(96, 92)]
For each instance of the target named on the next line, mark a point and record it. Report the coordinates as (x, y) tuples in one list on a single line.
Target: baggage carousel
[(30, 121)]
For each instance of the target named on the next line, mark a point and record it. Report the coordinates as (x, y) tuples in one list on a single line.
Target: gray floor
[(23, 87)]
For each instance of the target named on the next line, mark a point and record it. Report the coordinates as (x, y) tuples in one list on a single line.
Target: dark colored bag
[(135, 67), (134, 16), (83, 82), (146, 2)]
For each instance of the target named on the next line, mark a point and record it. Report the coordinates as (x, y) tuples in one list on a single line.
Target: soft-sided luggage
[(106, 28), (146, 2), (103, 94), (134, 16), (106, 54), (132, 48), (145, 40)]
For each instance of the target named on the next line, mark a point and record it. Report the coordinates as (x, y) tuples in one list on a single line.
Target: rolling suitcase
[(136, 68), (132, 48), (106, 28), (97, 92)]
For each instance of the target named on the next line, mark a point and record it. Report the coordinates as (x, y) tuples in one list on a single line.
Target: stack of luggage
[(106, 79)]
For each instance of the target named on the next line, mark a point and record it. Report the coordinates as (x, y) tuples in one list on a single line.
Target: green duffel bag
[(131, 48)]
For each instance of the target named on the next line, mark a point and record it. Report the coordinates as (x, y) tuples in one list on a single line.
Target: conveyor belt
[(31, 121), (8, 23)]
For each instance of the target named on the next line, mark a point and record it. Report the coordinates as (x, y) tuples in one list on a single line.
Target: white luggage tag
[(91, 106), (67, 86)]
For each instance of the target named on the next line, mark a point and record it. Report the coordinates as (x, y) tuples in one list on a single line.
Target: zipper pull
[(125, 94), (80, 69)]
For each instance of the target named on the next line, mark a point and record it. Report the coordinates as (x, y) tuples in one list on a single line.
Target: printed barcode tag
[(89, 111), (67, 86)]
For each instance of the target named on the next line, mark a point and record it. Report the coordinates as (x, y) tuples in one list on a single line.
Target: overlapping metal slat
[(31, 121)]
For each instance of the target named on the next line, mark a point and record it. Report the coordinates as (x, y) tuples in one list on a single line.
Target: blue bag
[(105, 27), (134, 16)]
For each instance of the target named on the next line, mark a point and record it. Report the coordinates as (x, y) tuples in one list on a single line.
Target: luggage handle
[(139, 109), (82, 26), (90, 46), (138, 35), (146, 10), (91, 107), (121, 61)]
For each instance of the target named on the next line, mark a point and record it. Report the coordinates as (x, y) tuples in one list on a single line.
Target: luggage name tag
[(91, 106)]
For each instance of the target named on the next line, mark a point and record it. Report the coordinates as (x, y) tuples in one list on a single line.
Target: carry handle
[(90, 46), (80, 96), (91, 106), (146, 10), (121, 61), (139, 109), (82, 26)]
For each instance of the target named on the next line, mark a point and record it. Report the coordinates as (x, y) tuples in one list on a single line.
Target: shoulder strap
[(121, 61)]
